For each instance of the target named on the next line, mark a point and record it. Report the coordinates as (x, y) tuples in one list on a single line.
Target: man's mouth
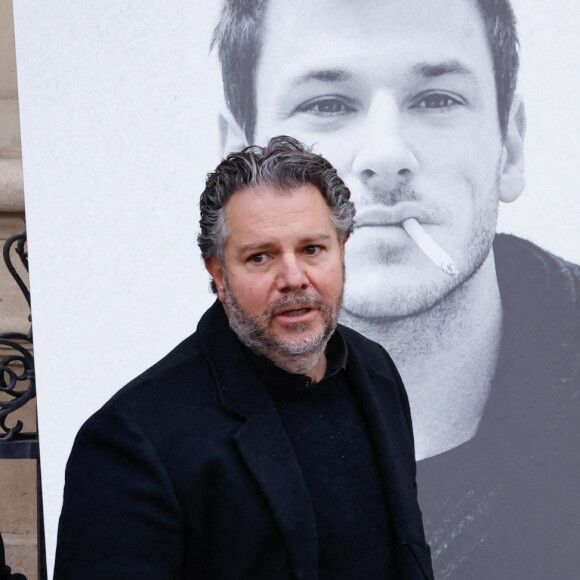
[(295, 304), (299, 308), (296, 312)]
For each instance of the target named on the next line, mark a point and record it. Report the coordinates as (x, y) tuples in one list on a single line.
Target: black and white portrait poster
[(455, 123)]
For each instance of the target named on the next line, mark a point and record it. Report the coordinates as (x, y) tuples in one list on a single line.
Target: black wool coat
[(187, 472)]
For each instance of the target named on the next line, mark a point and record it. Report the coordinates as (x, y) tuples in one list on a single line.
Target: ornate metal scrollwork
[(17, 369)]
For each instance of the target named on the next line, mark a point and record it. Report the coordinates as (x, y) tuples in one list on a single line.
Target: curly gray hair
[(285, 163)]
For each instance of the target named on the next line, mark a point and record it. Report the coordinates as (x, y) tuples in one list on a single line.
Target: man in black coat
[(272, 443)]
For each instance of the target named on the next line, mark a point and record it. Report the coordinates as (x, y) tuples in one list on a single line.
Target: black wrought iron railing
[(17, 368), (18, 387)]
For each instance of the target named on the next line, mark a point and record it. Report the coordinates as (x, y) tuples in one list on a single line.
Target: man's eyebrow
[(258, 246), (439, 69), (265, 246), (316, 238)]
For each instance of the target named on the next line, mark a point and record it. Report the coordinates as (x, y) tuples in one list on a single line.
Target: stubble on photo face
[(372, 263)]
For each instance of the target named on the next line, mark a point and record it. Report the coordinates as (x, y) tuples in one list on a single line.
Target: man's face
[(400, 96), (282, 276)]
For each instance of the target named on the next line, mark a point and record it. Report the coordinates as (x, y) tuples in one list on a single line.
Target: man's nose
[(385, 159), (291, 274)]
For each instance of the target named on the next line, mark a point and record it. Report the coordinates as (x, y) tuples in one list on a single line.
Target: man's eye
[(258, 258), (312, 250), (437, 101), (326, 106)]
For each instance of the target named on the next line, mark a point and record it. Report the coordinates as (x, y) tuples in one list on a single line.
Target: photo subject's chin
[(395, 290)]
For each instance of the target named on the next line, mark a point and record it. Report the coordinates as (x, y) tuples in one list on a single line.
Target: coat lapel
[(386, 409), (380, 397), (269, 455), (262, 441)]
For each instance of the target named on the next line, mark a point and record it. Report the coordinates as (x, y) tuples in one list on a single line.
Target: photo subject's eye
[(437, 101), (326, 106)]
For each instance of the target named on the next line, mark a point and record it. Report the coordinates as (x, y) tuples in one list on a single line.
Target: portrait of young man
[(414, 103), (283, 448)]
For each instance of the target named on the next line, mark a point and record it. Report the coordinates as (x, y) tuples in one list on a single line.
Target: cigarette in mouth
[(430, 247)]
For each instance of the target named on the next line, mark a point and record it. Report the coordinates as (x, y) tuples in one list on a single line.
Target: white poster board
[(118, 105)]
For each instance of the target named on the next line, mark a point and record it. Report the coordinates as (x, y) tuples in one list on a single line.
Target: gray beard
[(298, 355)]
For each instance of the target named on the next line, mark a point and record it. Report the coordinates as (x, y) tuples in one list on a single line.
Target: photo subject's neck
[(446, 357)]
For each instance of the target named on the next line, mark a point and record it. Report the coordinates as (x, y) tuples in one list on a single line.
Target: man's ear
[(512, 164), (232, 137), (216, 271)]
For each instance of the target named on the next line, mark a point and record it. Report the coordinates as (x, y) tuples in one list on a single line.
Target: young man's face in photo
[(400, 97)]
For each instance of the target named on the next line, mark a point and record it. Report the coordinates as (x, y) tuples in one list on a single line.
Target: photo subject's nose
[(384, 155)]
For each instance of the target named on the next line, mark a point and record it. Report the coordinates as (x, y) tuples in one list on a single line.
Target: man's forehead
[(252, 200), (253, 210)]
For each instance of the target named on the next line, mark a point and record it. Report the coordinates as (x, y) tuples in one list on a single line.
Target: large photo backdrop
[(123, 114)]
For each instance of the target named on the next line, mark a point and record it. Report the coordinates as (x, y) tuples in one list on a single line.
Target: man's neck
[(312, 365), (446, 357)]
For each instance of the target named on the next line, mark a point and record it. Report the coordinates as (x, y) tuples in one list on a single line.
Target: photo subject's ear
[(231, 135), (216, 271), (512, 171)]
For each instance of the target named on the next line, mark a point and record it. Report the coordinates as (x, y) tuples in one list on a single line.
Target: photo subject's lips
[(406, 219), (383, 216)]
